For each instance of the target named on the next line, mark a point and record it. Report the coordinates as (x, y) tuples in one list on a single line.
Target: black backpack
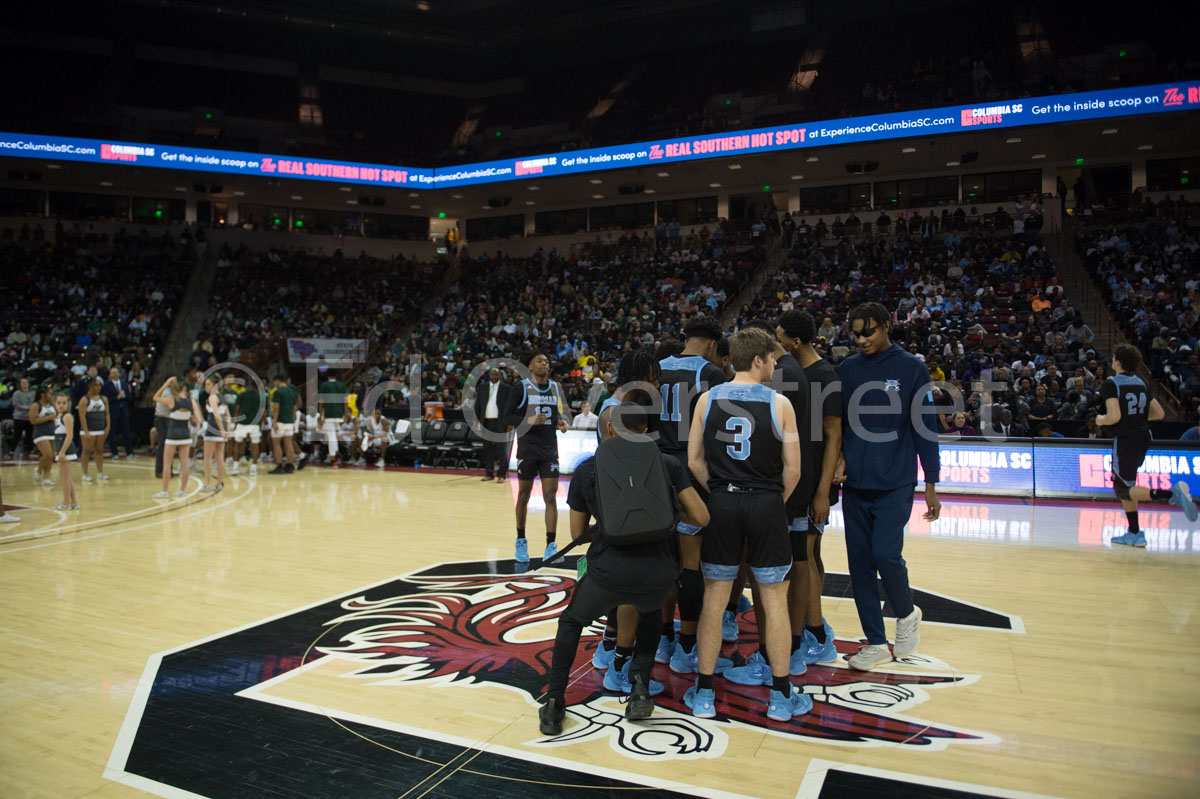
[(638, 504)]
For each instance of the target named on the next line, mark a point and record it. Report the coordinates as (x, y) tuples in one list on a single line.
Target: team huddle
[(752, 459), (747, 458)]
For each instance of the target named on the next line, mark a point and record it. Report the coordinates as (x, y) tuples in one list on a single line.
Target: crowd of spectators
[(261, 298), (978, 307), (75, 298), (1024, 217), (1146, 263), (584, 310)]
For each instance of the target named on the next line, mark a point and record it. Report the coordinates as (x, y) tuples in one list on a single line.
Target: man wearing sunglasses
[(888, 422)]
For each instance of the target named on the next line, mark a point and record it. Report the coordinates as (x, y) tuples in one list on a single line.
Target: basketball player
[(889, 388), (331, 401), (347, 438), (42, 416), (308, 431), (683, 378), (1128, 410), (376, 436), (818, 452), (94, 423), (788, 380), (283, 411), (538, 403), (248, 410), (744, 446), (639, 576), (64, 449)]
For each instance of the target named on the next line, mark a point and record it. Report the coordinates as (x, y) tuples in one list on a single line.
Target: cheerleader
[(376, 438), (215, 415), (64, 449), (174, 395), (94, 423), (41, 417)]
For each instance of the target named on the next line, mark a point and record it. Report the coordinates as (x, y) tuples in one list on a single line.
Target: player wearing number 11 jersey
[(1128, 410), (682, 379)]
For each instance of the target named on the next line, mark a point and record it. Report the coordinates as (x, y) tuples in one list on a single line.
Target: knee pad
[(1119, 488), (691, 595)]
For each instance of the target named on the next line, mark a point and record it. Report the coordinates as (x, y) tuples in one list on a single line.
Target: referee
[(881, 441)]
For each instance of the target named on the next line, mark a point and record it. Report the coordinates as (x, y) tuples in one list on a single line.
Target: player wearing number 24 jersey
[(1128, 411)]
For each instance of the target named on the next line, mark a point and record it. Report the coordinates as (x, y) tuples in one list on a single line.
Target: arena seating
[(260, 298), (961, 300), (74, 297), (1146, 262), (596, 305)]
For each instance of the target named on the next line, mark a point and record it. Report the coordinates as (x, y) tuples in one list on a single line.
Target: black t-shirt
[(1047, 408), (826, 388), (638, 567), (791, 381)]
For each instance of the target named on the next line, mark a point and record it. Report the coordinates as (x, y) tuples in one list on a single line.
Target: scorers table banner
[(1028, 468), (1071, 469)]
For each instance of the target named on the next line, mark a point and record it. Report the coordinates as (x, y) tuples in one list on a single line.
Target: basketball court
[(364, 633)]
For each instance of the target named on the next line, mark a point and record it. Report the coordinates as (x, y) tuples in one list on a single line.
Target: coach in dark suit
[(491, 396), (120, 406)]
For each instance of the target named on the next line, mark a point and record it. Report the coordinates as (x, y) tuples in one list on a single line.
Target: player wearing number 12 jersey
[(536, 404), (1128, 410)]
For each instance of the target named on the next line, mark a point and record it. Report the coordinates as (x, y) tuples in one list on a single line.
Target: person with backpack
[(637, 496)]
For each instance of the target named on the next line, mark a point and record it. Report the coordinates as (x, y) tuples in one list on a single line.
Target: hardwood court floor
[(296, 636)]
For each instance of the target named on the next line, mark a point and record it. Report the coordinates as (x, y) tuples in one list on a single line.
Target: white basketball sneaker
[(869, 657), (908, 633)]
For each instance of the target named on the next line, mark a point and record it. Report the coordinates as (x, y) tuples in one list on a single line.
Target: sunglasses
[(866, 332)]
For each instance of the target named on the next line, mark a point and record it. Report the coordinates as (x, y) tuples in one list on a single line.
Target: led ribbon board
[(1026, 112)]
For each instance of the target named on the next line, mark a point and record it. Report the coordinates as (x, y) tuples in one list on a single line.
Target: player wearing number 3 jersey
[(1128, 410), (744, 447)]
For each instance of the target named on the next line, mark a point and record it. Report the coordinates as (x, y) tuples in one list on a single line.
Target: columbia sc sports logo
[(471, 629), (244, 699)]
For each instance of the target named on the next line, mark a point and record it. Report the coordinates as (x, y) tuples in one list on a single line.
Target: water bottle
[(416, 464)]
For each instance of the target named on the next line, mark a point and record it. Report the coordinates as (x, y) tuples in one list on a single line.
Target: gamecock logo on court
[(476, 629)]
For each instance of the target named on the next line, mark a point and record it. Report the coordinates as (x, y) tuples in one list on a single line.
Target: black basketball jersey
[(791, 381), (1134, 401), (529, 399), (743, 438), (683, 379)]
